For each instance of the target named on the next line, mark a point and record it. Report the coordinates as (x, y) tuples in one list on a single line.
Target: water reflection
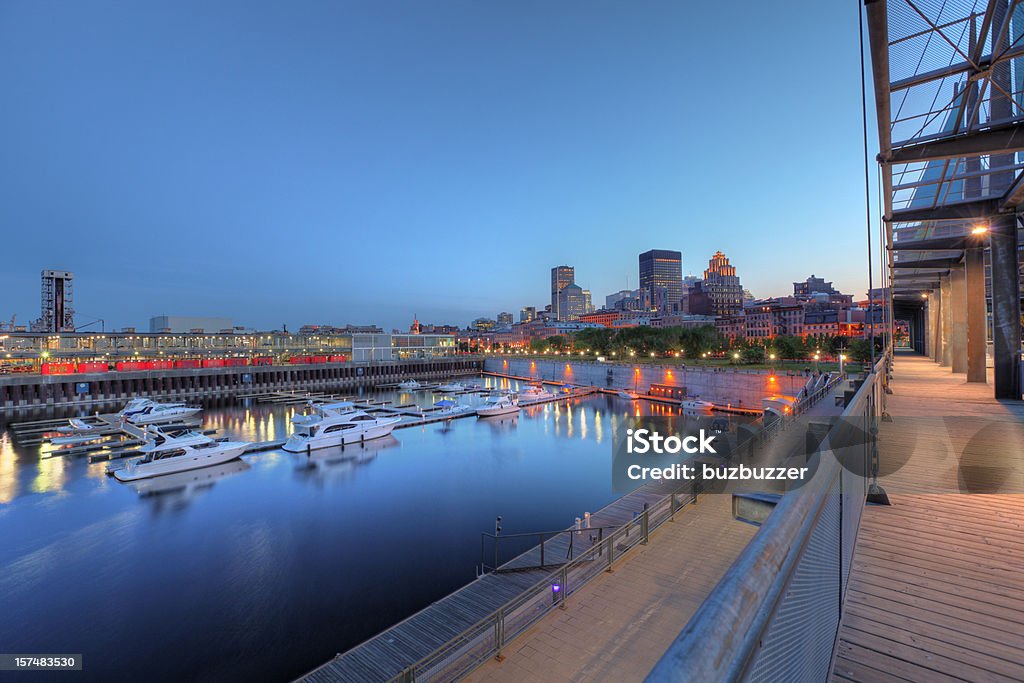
[(333, 465), (174, 491)]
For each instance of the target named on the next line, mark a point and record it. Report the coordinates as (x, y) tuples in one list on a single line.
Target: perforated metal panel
[(797, 644)]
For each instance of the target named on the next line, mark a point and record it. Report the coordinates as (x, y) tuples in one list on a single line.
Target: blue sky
[(364, 161)]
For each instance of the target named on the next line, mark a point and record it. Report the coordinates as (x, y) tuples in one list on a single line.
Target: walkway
[(618, 626), (937, 592)]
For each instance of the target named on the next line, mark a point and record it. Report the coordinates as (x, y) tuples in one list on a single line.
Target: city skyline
[(377, 175)]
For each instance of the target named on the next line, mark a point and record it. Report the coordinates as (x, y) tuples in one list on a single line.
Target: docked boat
[(77, 425), (336, 424), (75, 439), (451, 388), (499, 404), (410, 385), (156, 437), (628, 395), (180, 454), (144, 411), (695, 406), (449, 408), (535, 391)]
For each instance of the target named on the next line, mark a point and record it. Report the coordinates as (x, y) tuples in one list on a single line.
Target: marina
[(379, 497)]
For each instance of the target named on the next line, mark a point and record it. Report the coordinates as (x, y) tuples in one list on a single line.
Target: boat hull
[(502, 410), (158, 419), (299, 445), (191, 461)]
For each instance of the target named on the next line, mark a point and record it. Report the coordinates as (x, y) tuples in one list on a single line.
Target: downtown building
[(661, 279), (722, 288), (561, 277)]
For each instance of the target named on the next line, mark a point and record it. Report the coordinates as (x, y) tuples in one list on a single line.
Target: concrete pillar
[(977, 317), (958, 314), (946, 331), (1005, 306)]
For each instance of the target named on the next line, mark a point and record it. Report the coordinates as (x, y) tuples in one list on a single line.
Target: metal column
[(977, 316), (958, 315), (1005, 307), (946, 328)]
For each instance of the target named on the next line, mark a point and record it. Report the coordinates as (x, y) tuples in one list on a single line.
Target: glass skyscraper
[(661, 278)]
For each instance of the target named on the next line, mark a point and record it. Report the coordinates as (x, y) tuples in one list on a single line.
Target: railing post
[(499, 633), (542, 551), (672, 508), (611, 550), (564, 581), (645, 525)]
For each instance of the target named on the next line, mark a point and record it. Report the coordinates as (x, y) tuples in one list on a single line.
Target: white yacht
[(449, 408), (499, 404), (336, 424), (180, 454), (695, 406), (144, 411), (451, 388), (77, 425), (156, 437), (410, 385), (628, 395), (535, 391)]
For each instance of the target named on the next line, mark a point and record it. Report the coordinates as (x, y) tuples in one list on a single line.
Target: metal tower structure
[(57, 312)]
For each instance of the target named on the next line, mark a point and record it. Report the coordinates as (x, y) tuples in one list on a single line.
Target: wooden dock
[(388, 653), (936, 592)]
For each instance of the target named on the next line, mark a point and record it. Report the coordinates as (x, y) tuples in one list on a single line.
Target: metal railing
[(556, 548), (490, 635), (775, 614)]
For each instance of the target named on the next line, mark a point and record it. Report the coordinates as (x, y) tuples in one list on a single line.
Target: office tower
[(527, 314), (571, 303), (661, 278), (722, 285), (505, 319), (561, 277)]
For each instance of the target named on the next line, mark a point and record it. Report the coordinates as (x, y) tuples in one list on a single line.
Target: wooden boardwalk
[(388, 653), (617, 627), (936, 592)]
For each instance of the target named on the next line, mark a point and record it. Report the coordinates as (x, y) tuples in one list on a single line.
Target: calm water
[(264, 569)]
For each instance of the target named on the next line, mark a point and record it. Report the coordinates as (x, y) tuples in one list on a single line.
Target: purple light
[(555, 588)]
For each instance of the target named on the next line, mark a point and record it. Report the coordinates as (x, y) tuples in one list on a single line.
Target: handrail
[(726, 633), (490, 635)]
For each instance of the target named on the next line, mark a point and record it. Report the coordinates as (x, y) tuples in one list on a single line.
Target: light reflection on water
[(286, 559)]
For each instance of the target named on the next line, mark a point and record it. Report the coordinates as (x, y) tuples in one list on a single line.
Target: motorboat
[(73, 439), (180, 454), (449, 408), (156, 437), (336, 424), (451, 388), (77, 425), (695, 406), (499, 404), (628, 395), (143, 411), (535, 391), (410, 385)]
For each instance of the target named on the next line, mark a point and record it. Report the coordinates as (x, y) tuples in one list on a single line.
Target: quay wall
[(737, 387), (23, 392)]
